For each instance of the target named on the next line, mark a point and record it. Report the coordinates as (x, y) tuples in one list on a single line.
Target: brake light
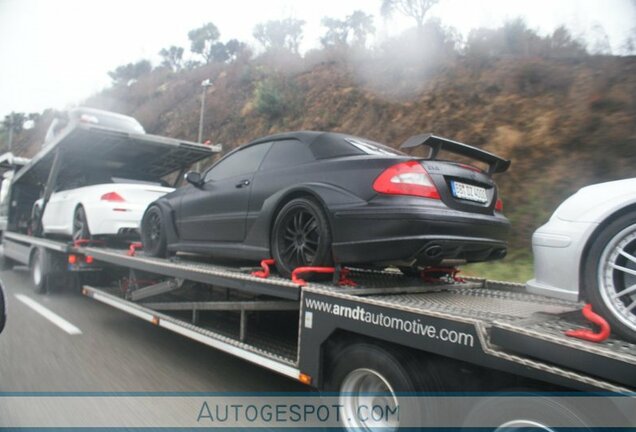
[(406, 178), (499, 205), (112, 197)]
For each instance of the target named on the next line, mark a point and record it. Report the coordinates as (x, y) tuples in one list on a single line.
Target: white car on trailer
[(587, 251)]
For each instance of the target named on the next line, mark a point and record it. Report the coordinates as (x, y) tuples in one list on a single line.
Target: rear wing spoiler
[(494, 162)]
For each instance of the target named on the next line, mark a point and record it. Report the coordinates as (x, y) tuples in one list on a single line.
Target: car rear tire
[(40, 268), (609, 276), (80, 225), (366, 374), (153, 233), (301, 236)]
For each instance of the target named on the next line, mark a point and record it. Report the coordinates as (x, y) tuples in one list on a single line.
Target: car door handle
[(243, 183)]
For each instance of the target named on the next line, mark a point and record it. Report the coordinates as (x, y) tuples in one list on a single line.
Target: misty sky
[(56, 53)]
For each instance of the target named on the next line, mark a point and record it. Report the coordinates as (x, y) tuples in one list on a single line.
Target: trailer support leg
[(243, 330), (195, 316)]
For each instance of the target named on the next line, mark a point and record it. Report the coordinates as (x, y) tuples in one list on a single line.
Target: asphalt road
[(114, 352)]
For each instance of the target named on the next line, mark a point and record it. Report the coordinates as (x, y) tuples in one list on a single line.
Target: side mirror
[(194, 178), (3, 307)]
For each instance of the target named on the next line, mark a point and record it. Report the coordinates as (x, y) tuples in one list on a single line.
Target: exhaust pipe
[(433, 251)]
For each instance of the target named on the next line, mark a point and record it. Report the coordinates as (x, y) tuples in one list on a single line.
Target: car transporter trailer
[(436, 329)]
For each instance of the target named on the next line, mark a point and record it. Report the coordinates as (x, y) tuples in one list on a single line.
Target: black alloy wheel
[(301, 236), (153, 235)]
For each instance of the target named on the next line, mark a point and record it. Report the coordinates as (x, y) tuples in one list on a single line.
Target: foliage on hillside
[(566, 119)]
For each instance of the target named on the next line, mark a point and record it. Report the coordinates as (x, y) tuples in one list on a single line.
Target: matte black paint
[(233, 216)]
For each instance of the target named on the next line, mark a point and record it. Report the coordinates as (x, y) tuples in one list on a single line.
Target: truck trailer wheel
[(530, 411), (40, 267), (367, 376)]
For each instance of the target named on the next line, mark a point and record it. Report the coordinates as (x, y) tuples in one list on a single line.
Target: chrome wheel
[(367, 388), (617, 276)]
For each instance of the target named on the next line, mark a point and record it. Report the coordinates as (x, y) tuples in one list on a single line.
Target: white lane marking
[(51, 316)]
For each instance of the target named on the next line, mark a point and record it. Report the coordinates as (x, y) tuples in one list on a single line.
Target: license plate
[(469, 192)]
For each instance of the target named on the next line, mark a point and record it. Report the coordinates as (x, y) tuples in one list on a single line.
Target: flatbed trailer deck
[(495, 325)]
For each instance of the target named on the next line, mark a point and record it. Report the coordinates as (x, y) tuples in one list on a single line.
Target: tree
[(14, 121), (218, 52), (361, 25), (562, 44), (337, 32), (358, 24), (203, 41), (416, 9), (126, 73), (279, 35), (172, 57), (235, 48)]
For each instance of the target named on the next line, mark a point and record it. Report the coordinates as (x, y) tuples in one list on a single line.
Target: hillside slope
[(564, 123)]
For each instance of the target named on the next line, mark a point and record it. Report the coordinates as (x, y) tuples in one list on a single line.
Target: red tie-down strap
[(342, 280), (264, 273), (435, 274), (87, 242), (589, 335), (133, 248)]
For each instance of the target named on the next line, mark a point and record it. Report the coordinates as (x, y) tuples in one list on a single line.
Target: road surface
[(87, 346)]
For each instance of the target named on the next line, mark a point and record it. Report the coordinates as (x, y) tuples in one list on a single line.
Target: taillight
[(112, 197), (499, 205), (406, 178)]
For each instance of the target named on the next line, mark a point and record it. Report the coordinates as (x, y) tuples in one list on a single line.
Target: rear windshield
[(327, 146)]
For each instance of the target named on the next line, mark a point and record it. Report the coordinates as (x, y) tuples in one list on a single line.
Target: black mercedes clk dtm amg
[(319, 198)]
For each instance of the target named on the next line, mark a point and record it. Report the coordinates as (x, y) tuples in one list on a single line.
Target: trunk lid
[(463, 187)]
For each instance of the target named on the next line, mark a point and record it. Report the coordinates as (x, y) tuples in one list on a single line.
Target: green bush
[(270, 98)]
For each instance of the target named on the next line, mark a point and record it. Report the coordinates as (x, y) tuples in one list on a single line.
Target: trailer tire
[(153, 232), (366, 367), (40, 267), (538, 412)]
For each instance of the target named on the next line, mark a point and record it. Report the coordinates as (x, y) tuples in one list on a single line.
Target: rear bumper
[(113, 219), (425, 236)]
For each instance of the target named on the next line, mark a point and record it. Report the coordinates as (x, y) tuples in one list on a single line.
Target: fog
[(54, 54)]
